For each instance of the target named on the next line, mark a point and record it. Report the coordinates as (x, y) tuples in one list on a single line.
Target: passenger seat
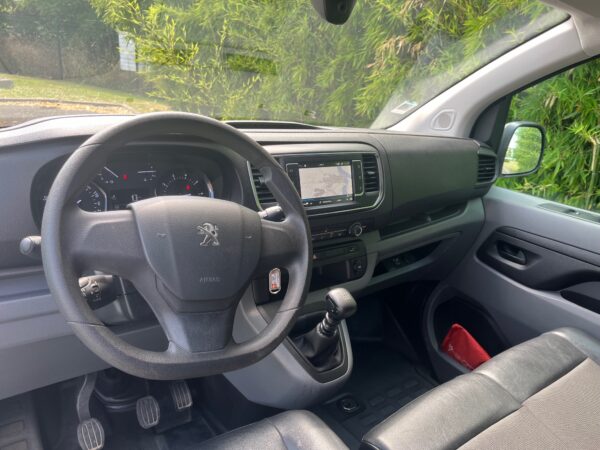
[(543, 394)]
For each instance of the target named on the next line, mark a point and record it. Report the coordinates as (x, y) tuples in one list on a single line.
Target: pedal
[(147, 411), (181, 395), (90, 434)]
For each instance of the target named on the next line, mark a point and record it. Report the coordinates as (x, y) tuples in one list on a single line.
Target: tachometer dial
[(92, 199), (107, 176), (184, 183)]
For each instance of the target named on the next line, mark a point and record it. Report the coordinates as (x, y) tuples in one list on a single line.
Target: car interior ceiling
[(405, 278)]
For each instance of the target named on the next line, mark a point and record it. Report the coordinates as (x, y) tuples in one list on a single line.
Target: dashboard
[(383, 208)]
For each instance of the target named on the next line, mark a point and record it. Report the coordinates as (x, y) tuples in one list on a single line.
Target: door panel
[(533, 268), (538, 262)]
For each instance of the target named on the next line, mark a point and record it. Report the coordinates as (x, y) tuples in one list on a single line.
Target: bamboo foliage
[(289, 64), (568, 105)]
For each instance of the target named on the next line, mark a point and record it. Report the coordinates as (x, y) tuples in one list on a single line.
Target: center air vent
[(263, 194), (486, 168), (371, 172)]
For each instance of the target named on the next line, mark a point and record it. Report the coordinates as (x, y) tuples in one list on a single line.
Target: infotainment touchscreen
[(326, 183)]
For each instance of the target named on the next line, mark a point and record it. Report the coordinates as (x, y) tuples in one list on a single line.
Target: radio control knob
[(355, 229)]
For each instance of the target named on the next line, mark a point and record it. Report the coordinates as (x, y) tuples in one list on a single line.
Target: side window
[(568, 107)]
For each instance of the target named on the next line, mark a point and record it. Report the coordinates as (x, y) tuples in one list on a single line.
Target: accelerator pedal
[(147, 411), (181, 395), (90, 434)]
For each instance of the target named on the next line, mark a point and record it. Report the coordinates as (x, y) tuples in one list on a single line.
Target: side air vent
[(486, 169), (264, 196), (371, 172)]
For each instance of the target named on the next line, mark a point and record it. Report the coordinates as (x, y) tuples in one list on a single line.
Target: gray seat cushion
[(297, 430), (542, 394)]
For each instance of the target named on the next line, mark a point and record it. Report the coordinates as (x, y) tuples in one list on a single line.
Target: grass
[(40, 89)]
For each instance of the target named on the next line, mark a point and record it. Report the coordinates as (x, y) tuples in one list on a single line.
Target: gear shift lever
[(320, 345), (340, 305)]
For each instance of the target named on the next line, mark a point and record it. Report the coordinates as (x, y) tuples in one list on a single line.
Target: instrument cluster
[(133, 176), (119, 184)]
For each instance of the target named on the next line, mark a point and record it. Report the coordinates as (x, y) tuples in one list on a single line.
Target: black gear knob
[(320, 345), (340, 305)]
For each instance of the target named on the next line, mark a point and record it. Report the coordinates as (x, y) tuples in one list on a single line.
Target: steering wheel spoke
[(200, 332), (190, 327), (188, 332), (280, 245), (106, 241)]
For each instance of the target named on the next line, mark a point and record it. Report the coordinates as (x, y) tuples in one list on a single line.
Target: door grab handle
[(511, 253)]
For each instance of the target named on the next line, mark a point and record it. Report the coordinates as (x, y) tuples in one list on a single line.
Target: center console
[(340, 186), (330, 184), (334, 186)]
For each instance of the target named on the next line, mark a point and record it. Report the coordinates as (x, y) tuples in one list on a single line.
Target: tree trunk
[(61, 68)]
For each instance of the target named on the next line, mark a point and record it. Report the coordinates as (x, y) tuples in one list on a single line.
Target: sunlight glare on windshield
[(250, 59)]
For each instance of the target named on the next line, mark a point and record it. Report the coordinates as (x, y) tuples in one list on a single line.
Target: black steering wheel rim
[(71, 236)]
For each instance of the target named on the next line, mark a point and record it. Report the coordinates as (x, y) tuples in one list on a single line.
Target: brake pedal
[(90, 434), (181, 395), (147, 411)]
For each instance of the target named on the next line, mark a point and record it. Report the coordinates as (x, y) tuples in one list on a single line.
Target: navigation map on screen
[(329, 181)]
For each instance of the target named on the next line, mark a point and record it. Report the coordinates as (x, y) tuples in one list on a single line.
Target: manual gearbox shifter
[(321, 345), (340, 305)]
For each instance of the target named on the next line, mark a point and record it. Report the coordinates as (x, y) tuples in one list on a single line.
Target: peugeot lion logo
[(210, 233)]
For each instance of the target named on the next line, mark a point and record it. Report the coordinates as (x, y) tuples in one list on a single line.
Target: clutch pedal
[(181, 395), (147, 411), (90, 432)]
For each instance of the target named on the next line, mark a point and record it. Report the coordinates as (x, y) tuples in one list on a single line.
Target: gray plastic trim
[(59, 356), (279, 380), (521, 312)]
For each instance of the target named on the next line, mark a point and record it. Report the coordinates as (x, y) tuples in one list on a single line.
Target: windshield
[(249, 59)]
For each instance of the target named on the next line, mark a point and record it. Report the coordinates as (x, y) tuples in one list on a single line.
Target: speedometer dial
[(92, 199), (183, 183)]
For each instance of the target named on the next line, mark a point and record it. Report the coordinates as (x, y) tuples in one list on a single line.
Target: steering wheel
[(191, 258)]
